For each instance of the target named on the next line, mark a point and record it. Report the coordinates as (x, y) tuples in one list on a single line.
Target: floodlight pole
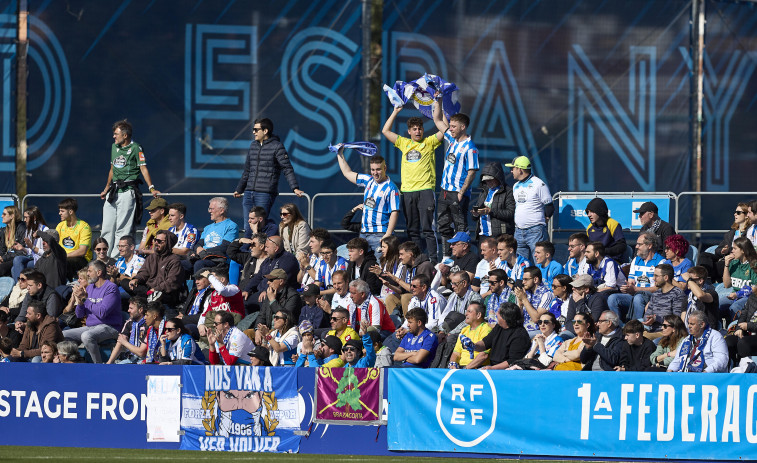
[(697, 42), (366, 75), (22, 46)]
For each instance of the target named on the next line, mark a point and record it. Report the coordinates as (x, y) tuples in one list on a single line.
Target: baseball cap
[(356, 343), (202, 274), (312, 290), (334, 343), (580, 281), (648, 206), (460, 236), (521, 162), (156, 203), (261, 353), (276, 274)]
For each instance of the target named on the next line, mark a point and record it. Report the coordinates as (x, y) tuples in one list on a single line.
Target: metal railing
[(743, 194)]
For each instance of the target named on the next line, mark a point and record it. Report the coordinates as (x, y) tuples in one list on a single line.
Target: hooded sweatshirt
[(369, 259), (607, 230), (162, 271), (502, 207)]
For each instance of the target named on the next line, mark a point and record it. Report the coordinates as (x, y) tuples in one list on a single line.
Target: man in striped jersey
[(427, 299), (327, 265), (460, 166), (510, 261), (381, 200), (186, 232)]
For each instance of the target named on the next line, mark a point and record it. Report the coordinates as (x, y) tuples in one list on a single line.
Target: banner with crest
[(240, 409), (349, 396)]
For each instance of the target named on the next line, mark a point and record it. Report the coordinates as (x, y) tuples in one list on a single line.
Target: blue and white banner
[(240, 409), (597, 414), (572, 209)]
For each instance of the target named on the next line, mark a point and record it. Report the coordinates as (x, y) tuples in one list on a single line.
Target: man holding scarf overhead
[(704, 350)]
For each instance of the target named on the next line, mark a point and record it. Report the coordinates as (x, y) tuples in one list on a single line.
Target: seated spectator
[(38, 290), (75, 236), (250, 261), (673, 334), (48, 351), (133, 335), (568, 356), (40, 328), (327, 354), (307, 340), (562, 289), (508, 259), (474, 331), (488, 248), (426, 299), (282, 340), (128, 262), (155, 322), (383, 354), (463, 258), (605, 230), (216, 237), (418, 346), (162, 274), (186, 233), (543, 253), (11, 236), (225, 297), (508, 341), (543, 346), (311, 311), (369, 308), (32, 247), (14, 293), (340, 326), (158, 210), (676, 247), (739, 275), (294, 230), (352, 351), (701, 296), (362, 259), (197, 304), (259, 355), (743, 342), (714, 262), (534, 298), (6, 347), (177, 346), (260, 223), (278, 297), (638, 289), (639, 347), (495, 205), (311, 261), (462, 294), (499, 293), (100, 304), (605, 271), (68, 317), (8, 331), (585, 300), (68, 352), (101, 247), (576, 264), (652, 223), (53, 261), (228, 345), (412, 264), (388, 264), (668, 299), (607, 349), (340, 299), (703, 350), (329, 263), (277, 258)]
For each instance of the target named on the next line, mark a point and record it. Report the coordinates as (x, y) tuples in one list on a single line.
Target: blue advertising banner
[(77, 405), (597, 414), (240, 409), (572, 209)]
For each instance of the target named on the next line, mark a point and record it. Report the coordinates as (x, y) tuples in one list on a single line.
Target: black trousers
[(418, 207), (452, 216)]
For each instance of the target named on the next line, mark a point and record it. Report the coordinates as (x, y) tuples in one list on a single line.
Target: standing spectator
[(158, 210), (474, 331), (533, 207), (668, 299), (739, 275), (33, 222), (294, 230), (75, 236), (495, 205), (651, 222), (637, 291), (676, 247), (418, 179), (460, 166), (228, 345), (259, 222), (381, 200), (543, 253), (266, 160), (576, 264), (703, 350), (418, 346), (216, 237), (639, 347), (123, 199), (40, 328), (101, 305), (605, 229), (606, 350)]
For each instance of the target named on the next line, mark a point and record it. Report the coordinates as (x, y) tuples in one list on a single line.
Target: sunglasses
[(21, 278), (101, 249), (667, 325), (415, 286), (284, 214), (349, 349), (217, 323), (544, 322), (739, 212), (256, 129), (336, 319), (158, 240), (279, 317), (169, 330), (579, 322)]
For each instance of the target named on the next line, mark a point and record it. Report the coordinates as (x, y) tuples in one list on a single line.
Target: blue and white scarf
[(195, 309), (152, 342), (693, 361), (136, 327)]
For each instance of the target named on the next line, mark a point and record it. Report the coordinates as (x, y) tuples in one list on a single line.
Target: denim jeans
[(629, 307), (19, 264), (374, 239), (251, 199), (527, 239)]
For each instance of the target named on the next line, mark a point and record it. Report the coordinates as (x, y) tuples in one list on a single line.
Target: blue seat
[(693, 254), (711, 249)]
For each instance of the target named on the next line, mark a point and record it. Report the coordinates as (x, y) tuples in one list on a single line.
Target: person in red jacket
[(228, 344), (368, 307)]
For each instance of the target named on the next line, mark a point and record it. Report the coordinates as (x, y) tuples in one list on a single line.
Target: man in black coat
[(608, 349), (362, 259)]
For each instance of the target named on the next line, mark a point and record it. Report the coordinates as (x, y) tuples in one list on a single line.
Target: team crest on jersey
[(191, 237), (413, 156), (433, 300), (119, 162), (129, 152), (141, 156)]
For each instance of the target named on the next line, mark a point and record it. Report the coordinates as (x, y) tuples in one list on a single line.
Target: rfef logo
[(466, 407)]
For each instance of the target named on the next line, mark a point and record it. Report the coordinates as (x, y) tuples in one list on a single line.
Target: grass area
[(53, 454)]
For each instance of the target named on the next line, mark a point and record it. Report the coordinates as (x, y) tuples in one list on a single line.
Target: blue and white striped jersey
[(516, 272), (461, 156), (324, 273), (380, 200), (187, 236), (643, 272), (486, 220)]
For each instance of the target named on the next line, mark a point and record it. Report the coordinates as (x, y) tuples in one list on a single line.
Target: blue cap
[(460, 236)]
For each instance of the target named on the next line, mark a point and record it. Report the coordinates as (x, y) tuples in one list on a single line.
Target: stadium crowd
[(492, 298)]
